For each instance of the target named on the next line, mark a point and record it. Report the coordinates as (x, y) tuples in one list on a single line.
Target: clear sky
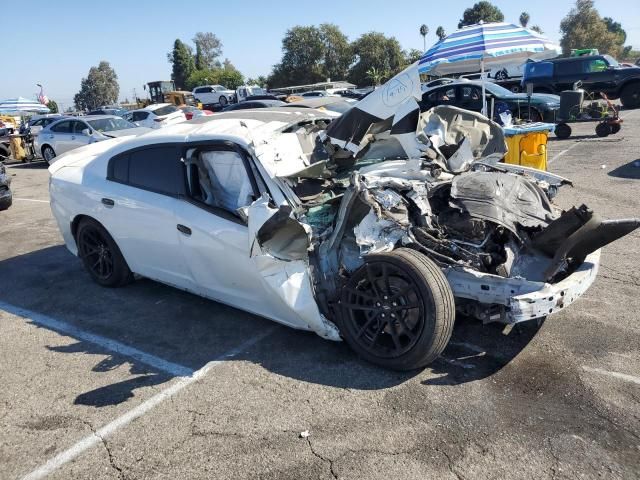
[(56, 42)]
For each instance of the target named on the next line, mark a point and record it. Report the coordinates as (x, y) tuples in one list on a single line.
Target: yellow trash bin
[(527, 145)]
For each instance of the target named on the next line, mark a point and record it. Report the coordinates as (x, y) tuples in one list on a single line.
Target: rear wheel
[(398, 310), (562, 131), (223, 100), (48, 154), (630, 96), (101, 256), (603, 129)]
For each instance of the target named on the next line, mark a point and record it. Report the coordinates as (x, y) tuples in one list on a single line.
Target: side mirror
[(86, 132)]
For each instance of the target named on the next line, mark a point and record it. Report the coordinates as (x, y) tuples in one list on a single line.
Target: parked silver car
[(69, 133)]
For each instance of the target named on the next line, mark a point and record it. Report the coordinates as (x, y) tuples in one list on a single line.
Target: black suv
[(598, 73)]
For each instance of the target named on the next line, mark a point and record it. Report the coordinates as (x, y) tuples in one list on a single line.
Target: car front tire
[(397, 310), (223, 101), (100, 255), (48, 154)]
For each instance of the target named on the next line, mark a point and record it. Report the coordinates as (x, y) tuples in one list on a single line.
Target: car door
[(141, 119), (599, 77), (215, 238), (138, 209), (77, 138), (59, 136)]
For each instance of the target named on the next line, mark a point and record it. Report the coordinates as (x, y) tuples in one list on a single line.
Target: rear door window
[(139, 116), (166, 110), (62, 127), (158, 169)]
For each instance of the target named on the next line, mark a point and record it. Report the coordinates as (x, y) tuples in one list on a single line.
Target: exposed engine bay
[(508, 252)]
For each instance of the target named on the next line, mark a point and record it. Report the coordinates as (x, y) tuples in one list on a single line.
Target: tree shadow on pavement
[(191, 331), (630, 170)]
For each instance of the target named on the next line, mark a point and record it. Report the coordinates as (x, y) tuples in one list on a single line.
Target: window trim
[(181, 148), (176, 146)]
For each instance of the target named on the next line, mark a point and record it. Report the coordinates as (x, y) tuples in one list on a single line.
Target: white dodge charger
[(263, 210)]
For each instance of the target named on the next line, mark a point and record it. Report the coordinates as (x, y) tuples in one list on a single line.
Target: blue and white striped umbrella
[(22, 105), (471, 48)]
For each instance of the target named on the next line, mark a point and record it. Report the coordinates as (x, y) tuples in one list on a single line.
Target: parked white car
[(259, 209), (214, 94), (68, 133), (158, 115), (245, 91), (38, 122)]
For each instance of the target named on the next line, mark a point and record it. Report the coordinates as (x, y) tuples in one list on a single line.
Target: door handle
[(183, 229), (108, 202)]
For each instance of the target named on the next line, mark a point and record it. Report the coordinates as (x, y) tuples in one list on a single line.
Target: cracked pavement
[(533, 401)]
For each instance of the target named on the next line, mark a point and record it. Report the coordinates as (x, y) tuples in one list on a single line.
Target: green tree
[(524, 19), (616, 27), (375, 50), (423, 31), (183, 63), (440, 32), (337, 55), (302, 54), (412, 56), (202, 77), (312, 54), (208, 49), (100, 87), (230, 76), (53, 106), (481, 11), (536, 28), (261, 81), (584, 28)]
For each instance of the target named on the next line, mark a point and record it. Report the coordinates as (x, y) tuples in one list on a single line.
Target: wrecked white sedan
[(376, 239)]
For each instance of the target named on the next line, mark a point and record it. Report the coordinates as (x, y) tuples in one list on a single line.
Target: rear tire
[(562, 131), (100, 255), (397, 310), (630, 96)]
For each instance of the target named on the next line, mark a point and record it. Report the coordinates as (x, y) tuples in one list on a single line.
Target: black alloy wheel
[(101, 256), (397, 310)]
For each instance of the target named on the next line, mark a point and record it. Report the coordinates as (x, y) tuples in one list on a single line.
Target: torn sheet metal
[(375, 235), (450, 125), (288, 280), (508, 200), (379, 107)]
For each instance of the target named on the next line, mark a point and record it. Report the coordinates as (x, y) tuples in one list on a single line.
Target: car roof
[(100, 117), (572, 59), (316, 102), (152, 107)]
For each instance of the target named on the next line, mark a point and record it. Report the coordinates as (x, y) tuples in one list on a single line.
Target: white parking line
[(621, 376), (106, 343), (99, 435), (558, 155), (31, 200)]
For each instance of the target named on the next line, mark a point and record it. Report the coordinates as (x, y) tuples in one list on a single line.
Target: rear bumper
[(514, 300)]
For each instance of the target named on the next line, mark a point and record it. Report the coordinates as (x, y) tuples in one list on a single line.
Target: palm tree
[(375, 75), (423, 31), (440, 32), (524, 19)]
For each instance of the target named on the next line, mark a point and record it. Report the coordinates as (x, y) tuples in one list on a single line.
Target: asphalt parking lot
[(149, 382)]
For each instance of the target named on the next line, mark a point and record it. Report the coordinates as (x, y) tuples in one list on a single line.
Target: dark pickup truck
[(598, 73)]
